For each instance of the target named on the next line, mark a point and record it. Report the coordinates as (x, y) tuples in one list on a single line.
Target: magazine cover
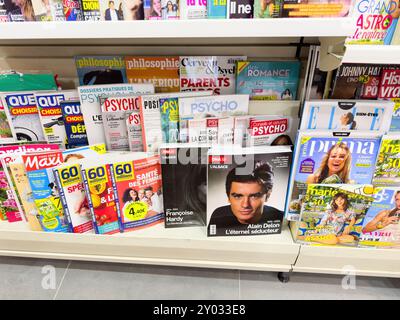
[(268, 80), (111, 10), (244, 191), (133, 9), (50, 114), (314, 8), (212, 130), (3, 12), (214, 73), (150, 115), (138, 190), (100, 195), (192, 9), (74, 125), (381, 224), (19, 11), (10, 208), (396, 34), (91, 109), (356, 81), (76, 154), (240, 9), (73, 198), (91, 10), (72, 10), (42, 10), (169, 108), (213, 106), (134, 129), (216, 9), (255, 131), (389, 86), (170, 9), (162, 72), (266, 9), (184, 179), (7, 133), (330, 158), (24, 192), (334, 214), (197, 131), (115, 111), (375, 21), (387, 169), (225, 130), (100, 69), (395, 123), (346, 115), (152, 9), (24, 115), (57, 10), (44, 190)]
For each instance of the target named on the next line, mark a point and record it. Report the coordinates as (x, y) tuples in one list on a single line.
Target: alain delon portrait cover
[(245, 189)]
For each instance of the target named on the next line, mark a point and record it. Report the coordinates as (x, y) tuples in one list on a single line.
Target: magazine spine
[(89, 197), (117, 203), (63, 199)]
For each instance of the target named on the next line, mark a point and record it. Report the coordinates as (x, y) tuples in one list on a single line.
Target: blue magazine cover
[(100, 70), (268, 80), (330, 158), (74, 125), (381, 226), (216, 9)]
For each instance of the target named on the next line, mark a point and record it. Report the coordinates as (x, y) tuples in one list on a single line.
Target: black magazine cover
[(246, 190), (184, 174), (241, 9)]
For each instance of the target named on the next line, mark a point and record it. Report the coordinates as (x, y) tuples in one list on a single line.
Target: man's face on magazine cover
[(247, 201)]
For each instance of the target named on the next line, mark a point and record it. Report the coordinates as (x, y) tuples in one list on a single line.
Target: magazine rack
[(52, 45)]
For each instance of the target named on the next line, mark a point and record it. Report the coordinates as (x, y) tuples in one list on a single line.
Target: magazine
[(389, 86), (133, 10), (73, 198), (240, 9), (150, 115), (162, 72), (387, 169), (3, 12), (216, 9), (266, 9), (74, 125), (346, 115), (375, 23), (356, 81), (44, 190), (245, 188), (115, 111), (334, 214), (91, 10), (192, 9), (330, 158), (111, 10), (15, 12), (91, 109), (76, 154), (184, 178), (50, 114), (152, 9), (72, 10), (213, 106), (99, 191), (138, 191), (50, 11), (100, 69), (169, 108), (24, 115), (7, 133), (170, 9), (314, 8), (381, 226), (395, 123), (263, 130), (214, 73), (197, 129), (268, 80), (134, 129), (225, 130)]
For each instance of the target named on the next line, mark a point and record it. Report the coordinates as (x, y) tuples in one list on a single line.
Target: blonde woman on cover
[(26, 9), (335, 166)]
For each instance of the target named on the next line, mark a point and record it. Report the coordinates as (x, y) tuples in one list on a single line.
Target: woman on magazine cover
[(347, 121), (335, 166), (26, 9), (333, 222)]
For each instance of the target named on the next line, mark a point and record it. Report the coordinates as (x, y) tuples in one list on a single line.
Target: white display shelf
[(155, 245), (374, 54), (212, 30)]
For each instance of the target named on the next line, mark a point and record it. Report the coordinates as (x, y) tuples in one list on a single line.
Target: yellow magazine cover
[(162, 72)]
